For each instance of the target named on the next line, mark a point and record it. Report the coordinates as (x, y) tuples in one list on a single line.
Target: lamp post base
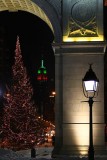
[(91, 153)]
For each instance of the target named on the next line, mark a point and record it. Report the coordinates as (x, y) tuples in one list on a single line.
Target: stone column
[(71, 114)]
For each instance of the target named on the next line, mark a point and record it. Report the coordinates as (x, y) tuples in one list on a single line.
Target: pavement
[(42, 153)]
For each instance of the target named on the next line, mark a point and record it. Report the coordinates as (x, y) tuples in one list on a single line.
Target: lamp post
[(90, 89)]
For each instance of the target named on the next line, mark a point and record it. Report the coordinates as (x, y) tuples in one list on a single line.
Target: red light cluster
[(42, 78)]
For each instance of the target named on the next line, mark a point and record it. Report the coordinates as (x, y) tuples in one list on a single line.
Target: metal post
[(33, 153), (91, 147)]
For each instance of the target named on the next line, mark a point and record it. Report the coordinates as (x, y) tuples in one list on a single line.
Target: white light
[(91, 86)]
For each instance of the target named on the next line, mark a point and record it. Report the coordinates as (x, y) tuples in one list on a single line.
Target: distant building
[(42, 88), (45, 98)]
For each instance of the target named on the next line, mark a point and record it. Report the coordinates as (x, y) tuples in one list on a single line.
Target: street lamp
[(90, 85)]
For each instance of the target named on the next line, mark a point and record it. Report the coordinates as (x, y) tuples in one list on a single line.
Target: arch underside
[(24, 5)]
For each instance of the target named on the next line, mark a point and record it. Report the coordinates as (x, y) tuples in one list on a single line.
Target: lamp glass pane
[(91, 86)]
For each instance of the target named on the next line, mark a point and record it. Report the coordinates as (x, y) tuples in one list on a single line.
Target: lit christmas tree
[(22, 127)]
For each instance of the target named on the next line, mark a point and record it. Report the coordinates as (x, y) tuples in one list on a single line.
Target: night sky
[(35, 40)]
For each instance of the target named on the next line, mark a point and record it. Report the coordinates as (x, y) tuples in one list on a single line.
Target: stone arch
[(53, 15), (41, 9)]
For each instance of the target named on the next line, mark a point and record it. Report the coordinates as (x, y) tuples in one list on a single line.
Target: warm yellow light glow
[(53, 94), (77, 39), (84, 152), (82, 134), (77, 114)]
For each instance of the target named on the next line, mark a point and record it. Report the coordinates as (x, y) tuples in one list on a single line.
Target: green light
[(44, 71), (39, 71)]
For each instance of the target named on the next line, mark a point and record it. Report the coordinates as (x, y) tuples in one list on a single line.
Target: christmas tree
[(21, 125)]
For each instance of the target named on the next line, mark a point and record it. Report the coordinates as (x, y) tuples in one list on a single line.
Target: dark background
[(35, 41)]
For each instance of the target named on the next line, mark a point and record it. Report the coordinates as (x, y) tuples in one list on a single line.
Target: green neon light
[(44, 71), (42, 64), (39, 71)]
